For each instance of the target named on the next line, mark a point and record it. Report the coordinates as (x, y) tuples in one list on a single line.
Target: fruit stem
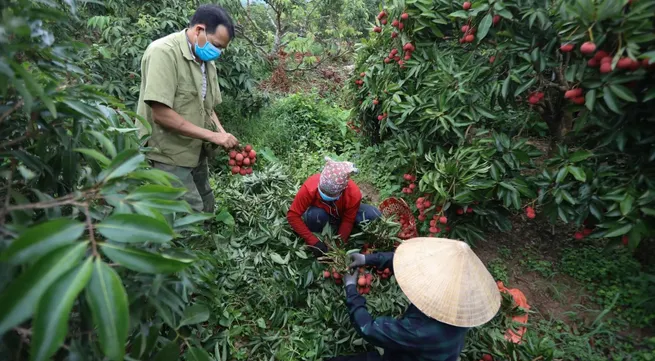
[(591, 34)]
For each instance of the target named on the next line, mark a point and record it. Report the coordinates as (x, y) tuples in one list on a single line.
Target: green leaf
[(648, 211), (155, 191), (277, 258), (41, 239), (143, 261), (197, 354), (124, 163), (483, 28), (567, 197), (165, 206), (50, 325), (626, 204), (109, 309), (459, 14), (508, 186), (650, 95), (261, 323), (561, 175), (623, 93), (191, 219), (590, 99), (505, 13), (107, 144), (505, 89), (619, 231), (225, 217), (580, 156), (578, 173), (19, 299), (170, 352), (610, 101), (194, 314), (101, 158), (135, 228), (525, 86)]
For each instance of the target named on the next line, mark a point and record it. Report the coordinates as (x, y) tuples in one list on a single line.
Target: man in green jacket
[(179, 90)]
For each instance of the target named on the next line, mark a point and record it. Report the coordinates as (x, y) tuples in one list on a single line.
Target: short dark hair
[(212, 16)]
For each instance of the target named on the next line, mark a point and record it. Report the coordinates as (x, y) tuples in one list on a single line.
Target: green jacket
[(171, 76)]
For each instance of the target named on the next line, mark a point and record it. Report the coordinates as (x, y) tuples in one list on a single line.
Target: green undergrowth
[(616, 274), (266, 293)]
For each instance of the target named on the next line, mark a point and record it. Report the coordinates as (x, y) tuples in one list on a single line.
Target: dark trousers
[(316, 218), (369, 356)]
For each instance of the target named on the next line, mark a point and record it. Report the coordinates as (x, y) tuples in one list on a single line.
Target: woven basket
[(399, 208)]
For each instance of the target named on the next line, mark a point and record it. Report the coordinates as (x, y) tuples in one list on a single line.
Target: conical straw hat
[(446, 281)]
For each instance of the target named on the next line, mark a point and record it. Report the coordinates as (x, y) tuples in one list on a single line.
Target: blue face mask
[(208, 52), (326, 198)]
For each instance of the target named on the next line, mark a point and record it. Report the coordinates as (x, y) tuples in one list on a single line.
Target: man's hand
[(351, 277), (358, 260), (225, 140)]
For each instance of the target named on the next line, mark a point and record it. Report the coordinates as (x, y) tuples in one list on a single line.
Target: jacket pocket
[(188, 105)]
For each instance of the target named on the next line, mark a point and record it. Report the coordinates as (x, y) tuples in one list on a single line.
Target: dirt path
[(369, 193)]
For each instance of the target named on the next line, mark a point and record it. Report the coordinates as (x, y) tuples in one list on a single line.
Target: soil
[(369, 193), (555, 297)]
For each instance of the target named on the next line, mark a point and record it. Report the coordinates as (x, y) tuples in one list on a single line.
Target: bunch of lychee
[(412, 185), (382, 17), (241, 161), (575, 95), (603, 60), (422, 204), (438, 220), (529, 211), (469, 34)]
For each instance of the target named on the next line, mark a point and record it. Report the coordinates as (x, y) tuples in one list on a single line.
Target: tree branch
[(6, 114), (18, 140), (8, 195), (252, 42), (89, 226), (71, 198)]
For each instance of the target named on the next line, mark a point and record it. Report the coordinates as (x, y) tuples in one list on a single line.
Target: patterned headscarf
[(335, 176)]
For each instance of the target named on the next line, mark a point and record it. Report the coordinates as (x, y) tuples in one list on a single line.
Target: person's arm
[(348, 221), (380, 260), (168, 118), (300, 204), (385, 332), (218, 123)]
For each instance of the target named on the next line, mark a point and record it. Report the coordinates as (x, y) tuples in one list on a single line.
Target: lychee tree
[(457, 76)]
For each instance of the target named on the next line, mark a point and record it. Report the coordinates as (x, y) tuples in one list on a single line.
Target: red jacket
[(346, 208)]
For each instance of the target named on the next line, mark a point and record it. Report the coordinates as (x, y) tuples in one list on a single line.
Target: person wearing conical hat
[(449, 289), (329, 197)]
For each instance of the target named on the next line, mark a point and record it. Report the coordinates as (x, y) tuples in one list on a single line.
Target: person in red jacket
[(329, 197)]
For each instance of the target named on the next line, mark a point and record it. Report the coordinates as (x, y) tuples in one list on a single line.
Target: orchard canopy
[(525, 128)]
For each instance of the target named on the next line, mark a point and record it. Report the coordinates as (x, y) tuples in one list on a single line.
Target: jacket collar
[(184, 45)]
